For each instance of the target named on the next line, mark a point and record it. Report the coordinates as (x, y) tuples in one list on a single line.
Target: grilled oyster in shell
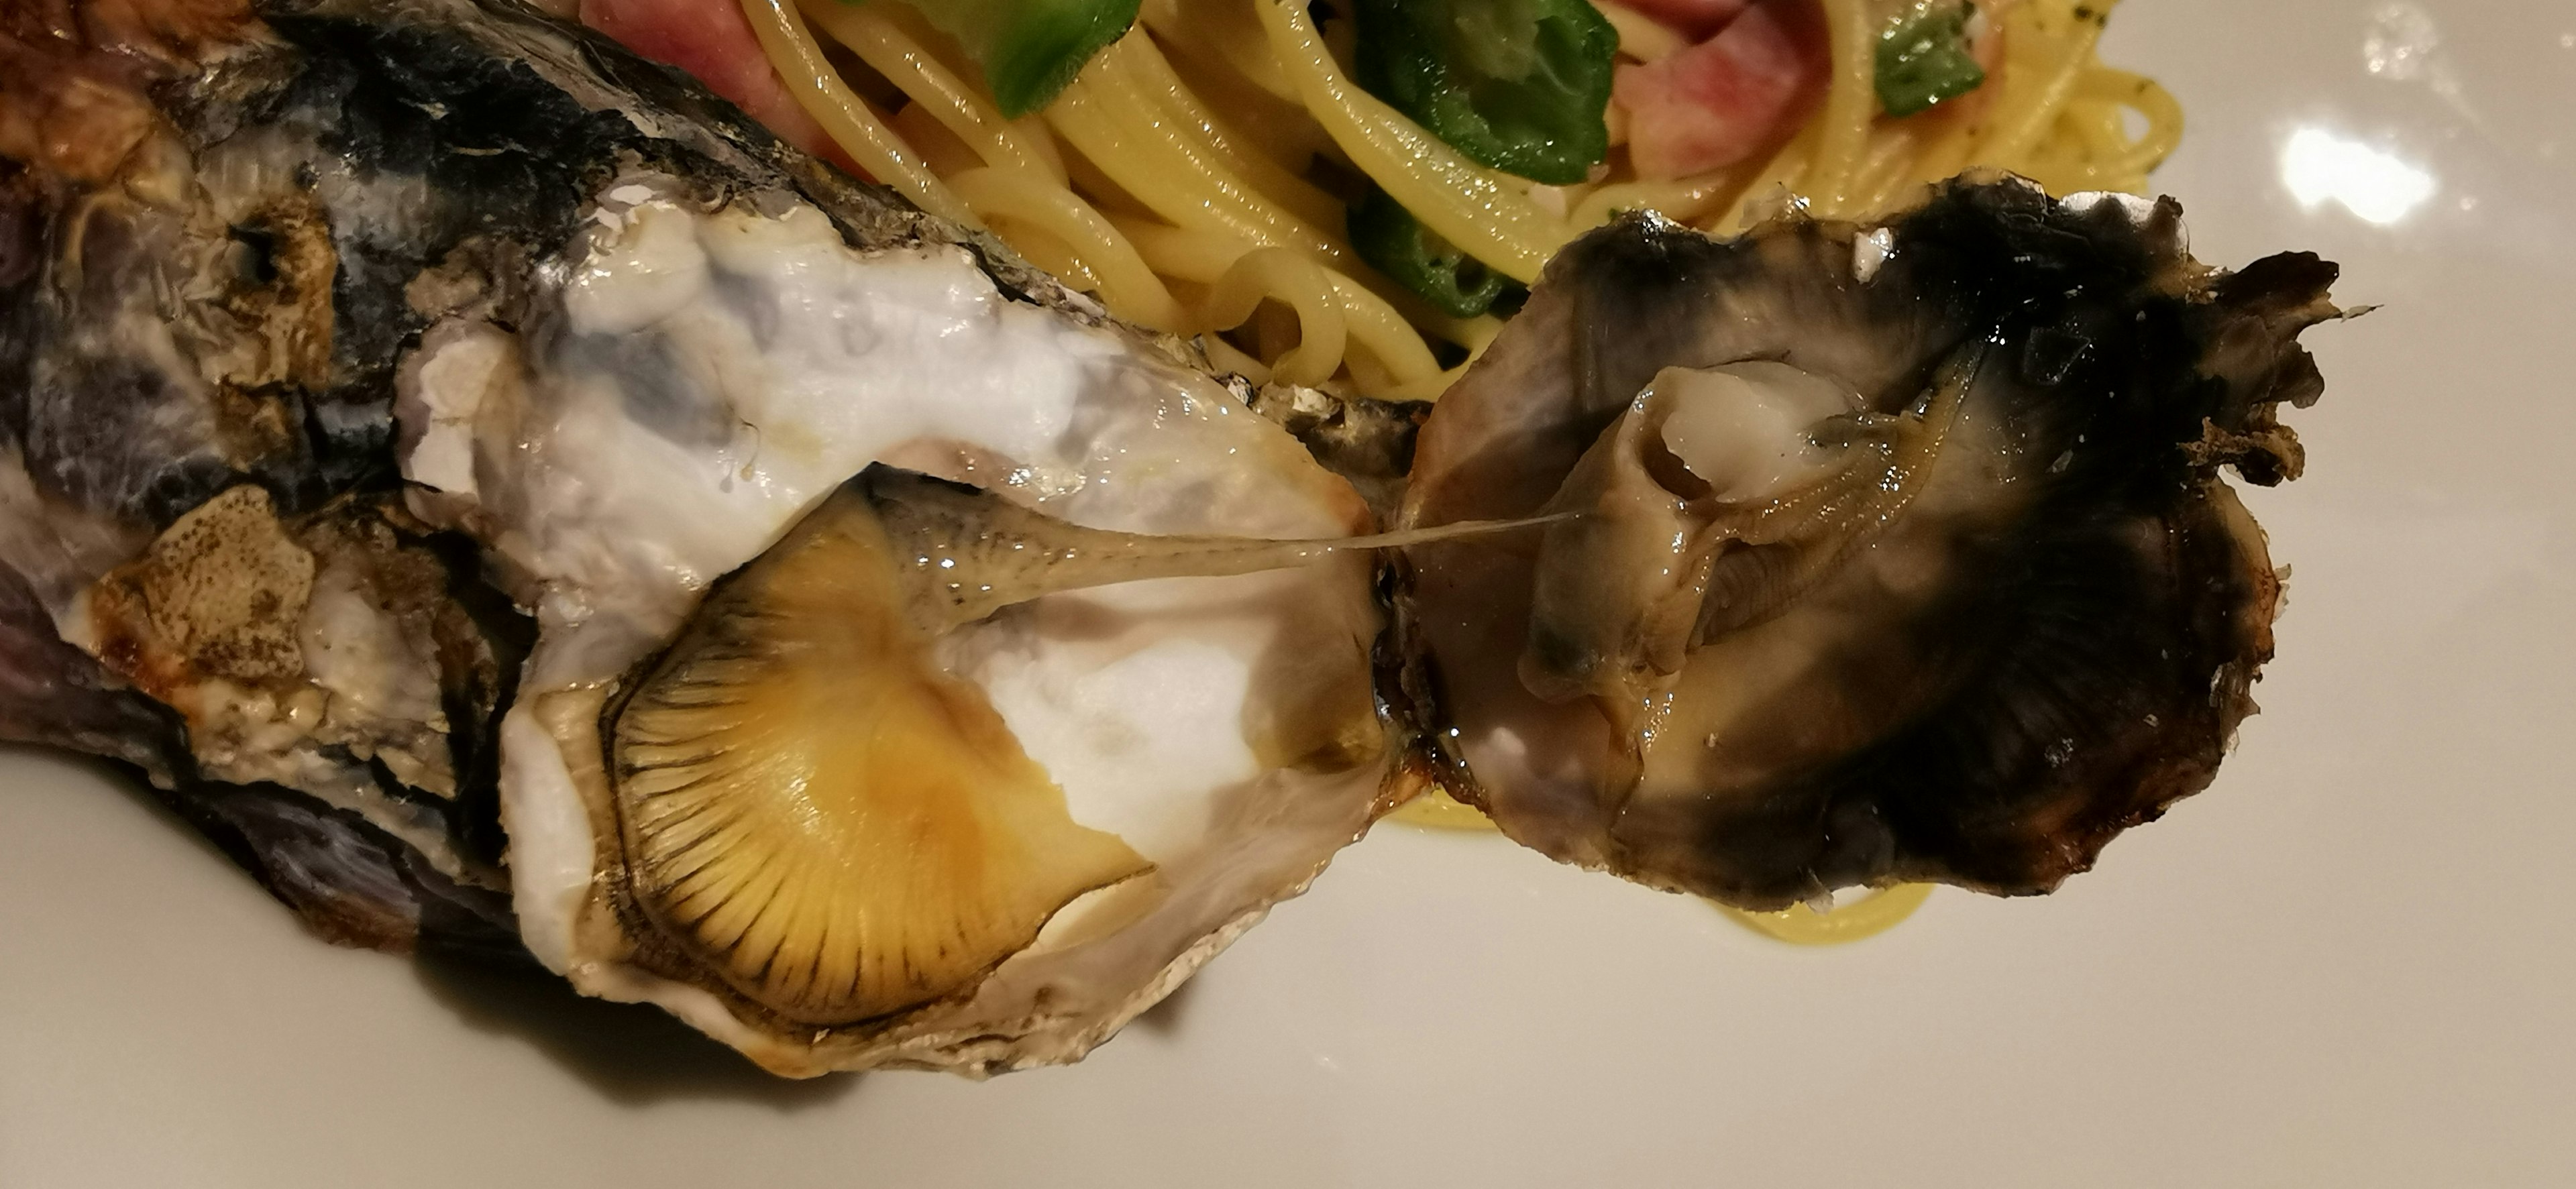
[(828, 834), (326, 319), (1896, 553), (1195, 748)]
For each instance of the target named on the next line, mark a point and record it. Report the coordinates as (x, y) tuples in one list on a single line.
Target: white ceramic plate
[(2349, 964)]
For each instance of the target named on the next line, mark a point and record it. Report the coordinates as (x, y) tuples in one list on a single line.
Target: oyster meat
[(1894, 553)]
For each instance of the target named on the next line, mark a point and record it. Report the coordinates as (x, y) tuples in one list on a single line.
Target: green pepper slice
[(1412, 255), (1923, 57), (1518, 85), (1030, 49)]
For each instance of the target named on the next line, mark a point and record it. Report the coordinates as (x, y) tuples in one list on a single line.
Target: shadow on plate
[(630, 1053), (1164, 1019)]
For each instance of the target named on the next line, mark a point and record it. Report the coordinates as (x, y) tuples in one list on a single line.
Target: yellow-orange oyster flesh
[(838, 825)]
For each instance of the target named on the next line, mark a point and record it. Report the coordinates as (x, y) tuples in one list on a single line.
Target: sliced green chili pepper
[(1397, 244), (1519, 85), (1923, 57), (1030, 49)]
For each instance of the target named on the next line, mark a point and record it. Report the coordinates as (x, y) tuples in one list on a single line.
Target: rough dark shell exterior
[(221, 227)]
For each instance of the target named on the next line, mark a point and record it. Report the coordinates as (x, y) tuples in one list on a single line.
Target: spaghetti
[(1188, 175)]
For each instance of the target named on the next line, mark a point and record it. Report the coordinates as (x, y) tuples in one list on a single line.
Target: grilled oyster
[(833, 835), (352, 312), (1900, 553)]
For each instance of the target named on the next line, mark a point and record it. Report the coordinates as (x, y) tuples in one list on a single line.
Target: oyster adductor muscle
[(1891, 553)]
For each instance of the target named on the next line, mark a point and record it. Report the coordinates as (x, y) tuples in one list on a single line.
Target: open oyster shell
[(390, 384), (1899, 553), (1223, 728), (807, 845)]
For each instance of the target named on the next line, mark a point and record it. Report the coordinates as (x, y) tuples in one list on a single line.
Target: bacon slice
[(1719, 102), (1695, 19)]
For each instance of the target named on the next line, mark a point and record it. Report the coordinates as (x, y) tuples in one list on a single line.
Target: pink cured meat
[(1719, 102), (1694, 19), (713, 42)]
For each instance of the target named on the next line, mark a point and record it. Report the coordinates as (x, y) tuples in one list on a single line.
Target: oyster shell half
[(1898, 553), (747, 776), (390, 387)]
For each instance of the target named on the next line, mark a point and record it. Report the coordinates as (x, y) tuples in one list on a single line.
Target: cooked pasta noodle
[(852, 125), (1867, 915), (1845, 124), (1642, 37), (1187, 175)]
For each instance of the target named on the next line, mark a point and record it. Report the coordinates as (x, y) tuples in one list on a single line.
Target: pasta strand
[(1280, 273), (872, 34), (844, 116), (1149, 72), (1852, 30), (1126, 280)]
